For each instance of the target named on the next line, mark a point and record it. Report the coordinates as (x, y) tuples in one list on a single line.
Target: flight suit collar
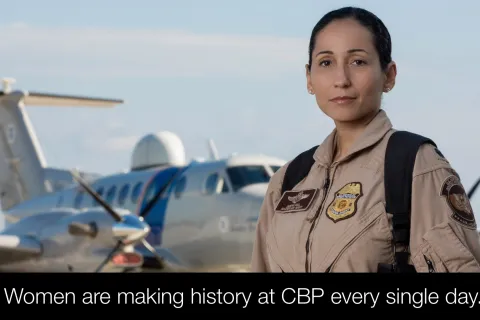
[(374, 132)]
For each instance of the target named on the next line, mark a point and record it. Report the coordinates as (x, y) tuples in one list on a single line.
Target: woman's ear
[(309, 79), (390, 76)]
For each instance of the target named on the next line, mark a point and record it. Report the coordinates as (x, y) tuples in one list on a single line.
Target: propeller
[(127, 229), (121, 226)]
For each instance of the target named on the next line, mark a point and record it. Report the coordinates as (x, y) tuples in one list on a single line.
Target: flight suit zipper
[(326, 187), (431, 269)]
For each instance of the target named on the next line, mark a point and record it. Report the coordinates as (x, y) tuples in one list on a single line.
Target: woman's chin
[(345, 115)]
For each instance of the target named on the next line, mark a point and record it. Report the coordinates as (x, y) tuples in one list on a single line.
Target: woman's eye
[(359, 62), (324, 63)]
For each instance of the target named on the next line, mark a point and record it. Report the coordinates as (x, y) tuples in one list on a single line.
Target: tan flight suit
[(342, 226)]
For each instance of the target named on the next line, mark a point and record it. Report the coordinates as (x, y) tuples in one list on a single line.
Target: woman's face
[(345, 75)]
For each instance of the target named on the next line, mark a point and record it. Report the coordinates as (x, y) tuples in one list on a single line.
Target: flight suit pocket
[(275, 259), (442, 251), (364, 245), (290, 221), (428, 260)]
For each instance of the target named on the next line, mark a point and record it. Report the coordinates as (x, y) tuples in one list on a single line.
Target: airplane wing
[(36, 98), (32, 98), (17, 248)]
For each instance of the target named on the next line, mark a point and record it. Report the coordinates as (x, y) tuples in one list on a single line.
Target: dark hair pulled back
[(381, 36)]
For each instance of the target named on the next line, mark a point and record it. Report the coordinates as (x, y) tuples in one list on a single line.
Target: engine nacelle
[(158, 149)]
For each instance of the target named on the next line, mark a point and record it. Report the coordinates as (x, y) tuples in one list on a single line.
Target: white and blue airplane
[(200, 215)]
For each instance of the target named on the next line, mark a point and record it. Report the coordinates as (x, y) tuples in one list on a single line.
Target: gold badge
[(344, 205), (458, 201)]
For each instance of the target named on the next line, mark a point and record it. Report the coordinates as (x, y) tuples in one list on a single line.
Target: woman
[(338, 222)]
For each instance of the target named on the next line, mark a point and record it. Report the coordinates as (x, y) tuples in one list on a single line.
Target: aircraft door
[(215, 192)]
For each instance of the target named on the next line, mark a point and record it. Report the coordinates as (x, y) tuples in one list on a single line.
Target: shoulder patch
[(457, 200), (296, 201), (344, 204)]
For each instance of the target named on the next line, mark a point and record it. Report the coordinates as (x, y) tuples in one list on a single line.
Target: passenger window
[(60, 201), (151, 192), (78, 199), (180, 187), (136, 192), (100, 193), (214, 184), (111, 194), (123, 194)]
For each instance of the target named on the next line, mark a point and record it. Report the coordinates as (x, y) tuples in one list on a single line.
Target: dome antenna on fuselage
[(159, 149)]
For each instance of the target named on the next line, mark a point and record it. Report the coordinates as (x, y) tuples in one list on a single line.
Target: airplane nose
[(131, 229), (257, 190), (254, 194)]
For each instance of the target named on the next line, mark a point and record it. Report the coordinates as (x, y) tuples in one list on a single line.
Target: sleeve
[(443, 234), (259, 262)]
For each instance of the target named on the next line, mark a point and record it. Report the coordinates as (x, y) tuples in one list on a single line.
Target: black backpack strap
[(298, 169), (400, 158)]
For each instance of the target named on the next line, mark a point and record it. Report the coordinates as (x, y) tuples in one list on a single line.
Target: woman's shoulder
[(430, 158), (277, 178), (294, 170)]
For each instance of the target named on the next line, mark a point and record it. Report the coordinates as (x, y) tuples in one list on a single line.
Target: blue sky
[(229, 70)]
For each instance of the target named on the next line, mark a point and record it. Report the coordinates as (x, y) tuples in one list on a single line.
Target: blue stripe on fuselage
[(156, 216)]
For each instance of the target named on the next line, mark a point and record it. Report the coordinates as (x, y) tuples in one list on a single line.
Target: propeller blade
[(107, 259), (157, 196), (97, 197), (153, 251)]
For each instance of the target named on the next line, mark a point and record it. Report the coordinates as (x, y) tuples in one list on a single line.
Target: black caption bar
[(244, 291)]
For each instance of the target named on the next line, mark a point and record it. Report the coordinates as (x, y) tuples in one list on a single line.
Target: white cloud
[(107, 52)]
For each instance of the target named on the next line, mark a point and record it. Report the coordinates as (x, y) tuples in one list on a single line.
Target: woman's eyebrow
[(349, 51)]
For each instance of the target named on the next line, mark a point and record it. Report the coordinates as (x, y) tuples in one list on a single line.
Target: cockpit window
[(242, 176), (275, 168)]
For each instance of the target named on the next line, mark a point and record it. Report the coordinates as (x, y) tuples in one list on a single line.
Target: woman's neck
[(348, 133)]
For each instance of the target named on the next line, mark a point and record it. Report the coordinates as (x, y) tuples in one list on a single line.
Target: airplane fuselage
[(206, 218)]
